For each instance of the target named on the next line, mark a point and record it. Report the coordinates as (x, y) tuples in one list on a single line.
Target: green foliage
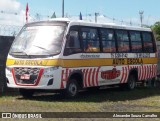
[(156, 30), (54, 15)]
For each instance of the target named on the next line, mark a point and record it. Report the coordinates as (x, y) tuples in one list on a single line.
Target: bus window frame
[(73, 28), (98, 34), (109, 40), (129, 32), (153, 41), (125, 41)]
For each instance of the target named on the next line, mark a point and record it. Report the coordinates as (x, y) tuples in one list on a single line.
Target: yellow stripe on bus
[(73, 63), (55, 62)]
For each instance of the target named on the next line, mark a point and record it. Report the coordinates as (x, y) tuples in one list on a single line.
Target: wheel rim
[(73, 89), (132, 84)]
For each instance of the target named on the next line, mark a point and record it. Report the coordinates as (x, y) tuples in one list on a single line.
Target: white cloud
[(9, 4), (11, 13)]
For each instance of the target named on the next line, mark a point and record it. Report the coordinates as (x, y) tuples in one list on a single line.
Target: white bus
[(74, 55)]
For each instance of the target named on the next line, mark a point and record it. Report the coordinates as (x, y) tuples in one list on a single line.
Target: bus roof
[(109, 25), (92, 24)]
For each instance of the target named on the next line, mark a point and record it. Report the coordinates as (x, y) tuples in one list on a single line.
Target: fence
[(5, 43), (9, 30), (7, 35)]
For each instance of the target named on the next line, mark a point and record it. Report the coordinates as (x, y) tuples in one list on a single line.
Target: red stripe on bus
[(125, 79), (62, 76), (84, 70), (147, 76), (35, 84), (89, 77), (145, 72), (141, 69), (127, 75), (85, 80), (67, 74), (97, 76), (93, 74), (62, 86), (152, 71), (122, 75), (139, 72), (39, 76)]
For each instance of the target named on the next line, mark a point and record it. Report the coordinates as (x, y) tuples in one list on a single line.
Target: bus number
[(119, 55)]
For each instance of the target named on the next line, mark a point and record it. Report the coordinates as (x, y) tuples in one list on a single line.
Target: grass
[(105, 100)]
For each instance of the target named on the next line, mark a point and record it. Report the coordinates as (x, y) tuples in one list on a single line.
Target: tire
[(131, 83), (72, 89), (26, 93), (153, 82)]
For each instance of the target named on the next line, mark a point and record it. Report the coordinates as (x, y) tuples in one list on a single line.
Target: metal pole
[(95, 17), (62, 8), (96, 14), (141, 17)]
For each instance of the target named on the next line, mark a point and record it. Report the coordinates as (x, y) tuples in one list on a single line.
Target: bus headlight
[(48, 72)]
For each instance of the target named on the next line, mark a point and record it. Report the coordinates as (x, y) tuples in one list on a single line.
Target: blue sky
[(122, 10)]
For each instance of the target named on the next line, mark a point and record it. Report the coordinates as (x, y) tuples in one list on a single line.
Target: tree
[(156, 30), (54, 15)]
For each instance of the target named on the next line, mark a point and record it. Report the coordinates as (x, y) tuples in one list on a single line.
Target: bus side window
[(108, 40), (90, 39), (147, 42), (123, 41), (136, 42), (73, 43)]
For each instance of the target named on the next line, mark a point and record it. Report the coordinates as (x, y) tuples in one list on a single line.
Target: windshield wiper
[(43, 49), (19, 53)]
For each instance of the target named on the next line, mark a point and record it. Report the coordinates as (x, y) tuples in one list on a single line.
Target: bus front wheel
[(72, 89)]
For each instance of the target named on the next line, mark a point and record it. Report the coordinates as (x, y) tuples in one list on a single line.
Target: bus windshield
[(38, 40)]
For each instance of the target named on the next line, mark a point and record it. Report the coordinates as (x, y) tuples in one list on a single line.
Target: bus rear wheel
[(26, 93), (72, 89), (131, 83)]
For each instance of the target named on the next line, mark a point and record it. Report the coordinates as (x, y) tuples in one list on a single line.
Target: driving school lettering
[(28, 62), (129, 61)]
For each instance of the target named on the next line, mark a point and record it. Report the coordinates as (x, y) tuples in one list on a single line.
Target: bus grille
[(31, 73)]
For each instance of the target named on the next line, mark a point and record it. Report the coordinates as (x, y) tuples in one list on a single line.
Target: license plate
[(25, 77)]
